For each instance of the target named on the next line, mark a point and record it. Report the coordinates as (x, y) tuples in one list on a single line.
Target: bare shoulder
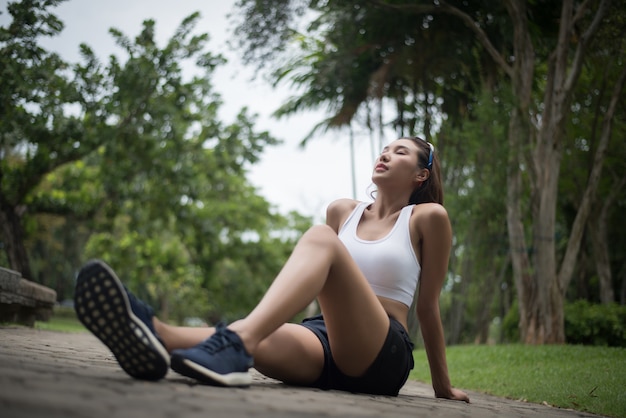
[(428, 217), (342, 205), (430, 210), (338, 210)]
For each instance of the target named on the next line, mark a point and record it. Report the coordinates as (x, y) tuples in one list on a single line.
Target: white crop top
[(389, 263)]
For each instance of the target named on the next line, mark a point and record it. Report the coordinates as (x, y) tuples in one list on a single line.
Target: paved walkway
[(51, 374)]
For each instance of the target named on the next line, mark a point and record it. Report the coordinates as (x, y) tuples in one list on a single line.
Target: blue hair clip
[(430, 155)]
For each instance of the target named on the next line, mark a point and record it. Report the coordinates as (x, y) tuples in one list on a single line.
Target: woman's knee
[(320, 234)]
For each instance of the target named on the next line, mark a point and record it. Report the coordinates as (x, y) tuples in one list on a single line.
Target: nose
[(384, 157)]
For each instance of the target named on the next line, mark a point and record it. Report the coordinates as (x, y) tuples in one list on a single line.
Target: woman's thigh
[(292, 354), (356, 321)]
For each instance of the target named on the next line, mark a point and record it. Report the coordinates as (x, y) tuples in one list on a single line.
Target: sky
[(289, 177)]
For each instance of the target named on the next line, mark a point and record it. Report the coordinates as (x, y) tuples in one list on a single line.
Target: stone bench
[(23, 301)]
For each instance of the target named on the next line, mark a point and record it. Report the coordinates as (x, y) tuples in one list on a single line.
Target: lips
[(381, 167)]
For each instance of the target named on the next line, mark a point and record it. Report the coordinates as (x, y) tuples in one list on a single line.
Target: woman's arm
[(435, 233)]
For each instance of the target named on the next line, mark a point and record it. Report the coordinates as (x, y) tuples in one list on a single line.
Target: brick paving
[(66, 375)]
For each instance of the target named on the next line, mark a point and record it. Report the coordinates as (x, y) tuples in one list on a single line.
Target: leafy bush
[(585, 323), (510, 324), (595, 324)]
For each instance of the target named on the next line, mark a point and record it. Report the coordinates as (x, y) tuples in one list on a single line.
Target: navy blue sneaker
[(121, 321), (219, 360)]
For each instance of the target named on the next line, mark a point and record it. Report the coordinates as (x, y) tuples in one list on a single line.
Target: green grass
[(61, 324), (590, 379), (63, 319)]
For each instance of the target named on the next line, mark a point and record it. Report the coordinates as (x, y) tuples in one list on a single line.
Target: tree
[(36, 136), (541, 63), (356, 59), (475, 184), (591, 104), (138, 170), (541, 286)]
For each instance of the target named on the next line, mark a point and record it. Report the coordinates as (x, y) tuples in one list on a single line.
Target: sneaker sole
[(188, 368), (102, 306)]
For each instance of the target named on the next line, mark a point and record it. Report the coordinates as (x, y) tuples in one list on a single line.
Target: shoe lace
[(220, 341)]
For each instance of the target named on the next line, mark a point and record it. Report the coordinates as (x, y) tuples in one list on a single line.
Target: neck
[(386, 205)]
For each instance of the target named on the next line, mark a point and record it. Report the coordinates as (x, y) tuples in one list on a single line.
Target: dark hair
[(432, 189)]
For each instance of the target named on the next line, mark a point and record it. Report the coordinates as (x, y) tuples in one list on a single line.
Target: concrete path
[(51, 374)]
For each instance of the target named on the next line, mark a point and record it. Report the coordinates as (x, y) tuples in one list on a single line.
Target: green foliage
[(181, 206), (595, 324), (510, 324), (49, 120), (242, 274), (36, 134), (475, 183), (263, 41), (585, 126), (422, 63), (356, 54), (590, 379), (155, 264), (127, 161), (585, 323)]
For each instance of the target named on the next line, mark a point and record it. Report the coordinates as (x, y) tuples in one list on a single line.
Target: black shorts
[(385, 376)]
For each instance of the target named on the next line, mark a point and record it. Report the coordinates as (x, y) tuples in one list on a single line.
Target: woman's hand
[(455, 395)]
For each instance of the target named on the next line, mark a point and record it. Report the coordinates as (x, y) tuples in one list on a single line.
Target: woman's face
[(398, 162)]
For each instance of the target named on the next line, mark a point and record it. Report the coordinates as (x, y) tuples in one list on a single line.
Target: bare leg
[(320, 266), (292, 353), (174, 337)]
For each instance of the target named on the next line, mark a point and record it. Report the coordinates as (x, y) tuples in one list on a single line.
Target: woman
[(364, 267)]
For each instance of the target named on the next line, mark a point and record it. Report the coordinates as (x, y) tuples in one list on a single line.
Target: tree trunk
[(541, 311), (484, 315), (597, 228), (573, 244), (492, 285), (522, 274), (598, 235), (13, 240), (622, 297), (547, 307), (582, 282), (540, 289), (459, 296), (522, 75)]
